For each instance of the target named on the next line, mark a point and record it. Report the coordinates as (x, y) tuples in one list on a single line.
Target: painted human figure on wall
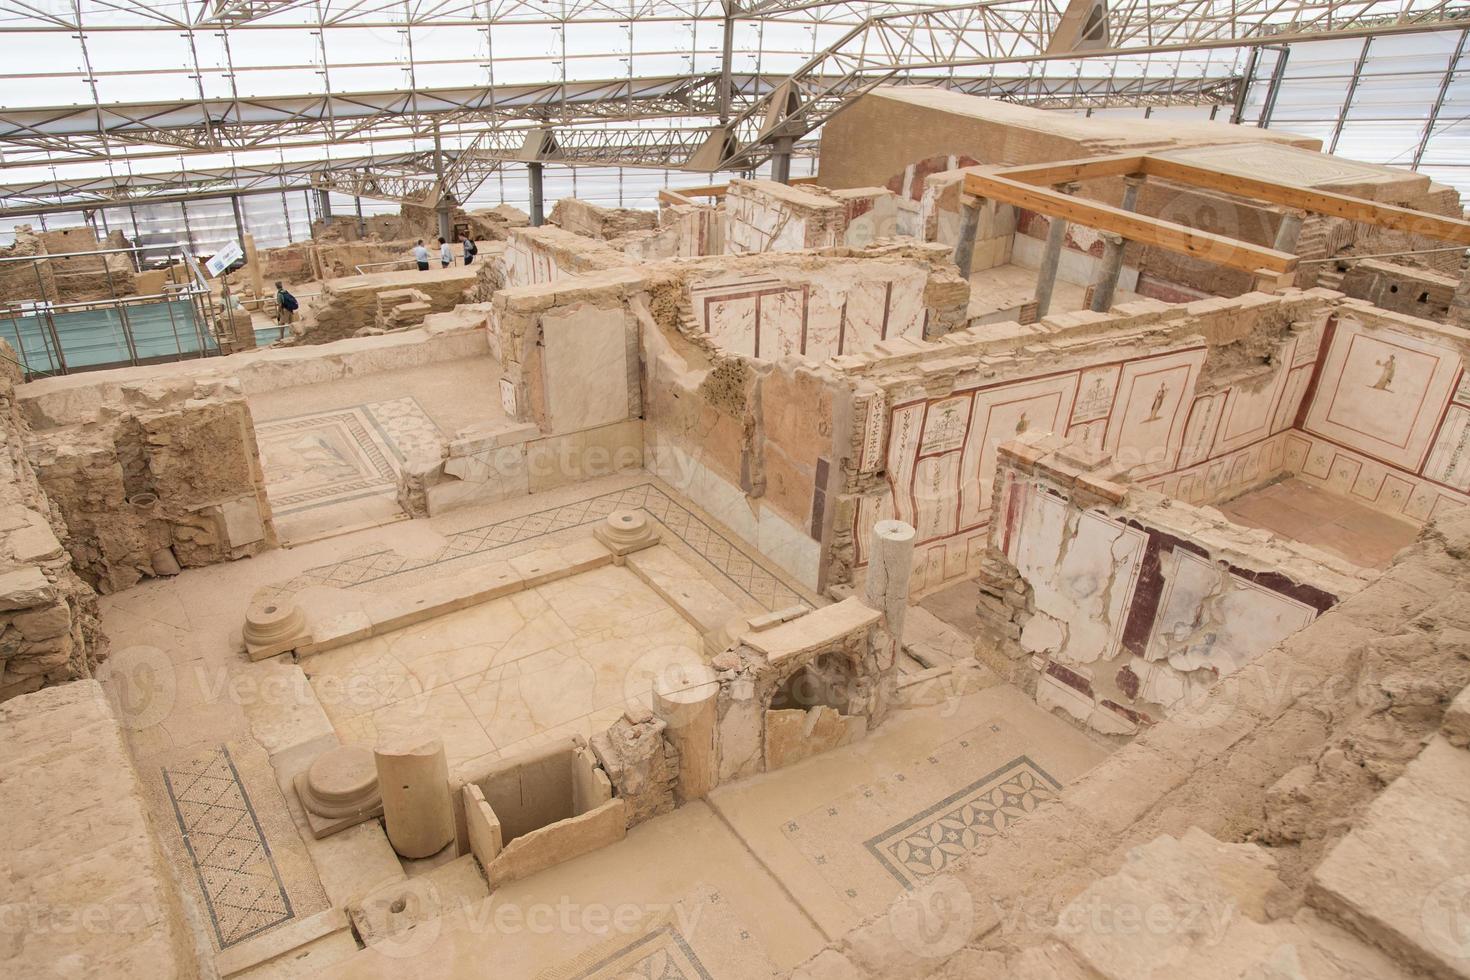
[(1158, 405), (1385, 380)]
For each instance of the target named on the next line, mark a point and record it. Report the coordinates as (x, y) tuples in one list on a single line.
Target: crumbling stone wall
[(348, 307), (64, 279), (1131, 605), (167, 476), (595, 221), (49, 632)]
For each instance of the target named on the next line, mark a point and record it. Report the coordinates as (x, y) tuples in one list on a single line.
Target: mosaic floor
[(345, 454), (733, 562)]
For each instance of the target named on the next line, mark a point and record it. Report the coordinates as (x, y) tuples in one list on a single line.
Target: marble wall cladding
[(822, 313), (586, 366), (1129, 620)]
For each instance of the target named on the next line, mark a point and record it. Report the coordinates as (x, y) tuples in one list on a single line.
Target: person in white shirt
[(446, 254), (421, 256)]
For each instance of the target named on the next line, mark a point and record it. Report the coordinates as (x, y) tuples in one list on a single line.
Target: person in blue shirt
[(421, 256), (446, 255)]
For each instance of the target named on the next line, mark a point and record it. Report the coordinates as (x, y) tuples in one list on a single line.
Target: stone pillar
[(1046, 276), (361, 222), (413, 777), (1108, 271), (1288, 232), (686, 698), (442, 211), (891, 561), (781, 148), (1112, 258), (324, 204), (964, 249), (533, 173)]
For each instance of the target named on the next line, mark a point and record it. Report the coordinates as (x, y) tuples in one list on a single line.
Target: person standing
[(446, 254), (470, 249), (421, 256), (286, 305)]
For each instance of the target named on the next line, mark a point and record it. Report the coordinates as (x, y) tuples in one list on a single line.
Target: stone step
[(1195, 907), (1401, 877)]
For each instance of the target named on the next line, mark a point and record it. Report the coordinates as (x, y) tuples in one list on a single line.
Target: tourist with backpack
[(470, 250), (286, 305)]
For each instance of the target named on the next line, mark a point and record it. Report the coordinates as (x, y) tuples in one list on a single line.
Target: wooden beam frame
[(1131, 225), (1031, 187), (1308, 199)]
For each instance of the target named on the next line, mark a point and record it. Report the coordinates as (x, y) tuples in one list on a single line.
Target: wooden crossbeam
[(1307, 199), (1133, 226)]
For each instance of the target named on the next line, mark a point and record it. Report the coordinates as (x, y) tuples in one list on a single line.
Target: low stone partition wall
[(543, 255), (78, 398), (1284, 763), (168, 476), (539, 808), (1117, 606), (88, 891)]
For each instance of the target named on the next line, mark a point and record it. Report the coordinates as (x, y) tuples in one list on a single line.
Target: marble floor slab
[(1299, 511), (553, 660)]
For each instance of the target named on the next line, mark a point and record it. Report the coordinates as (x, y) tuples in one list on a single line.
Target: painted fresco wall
[(1148, 410), (1389, 420), (1137, 610), (842, 310), (547, 254)]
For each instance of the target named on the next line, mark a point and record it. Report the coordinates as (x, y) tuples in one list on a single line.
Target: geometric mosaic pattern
[(925, 844), (344, 454), (719, 551), (661, 954), (242, 889)]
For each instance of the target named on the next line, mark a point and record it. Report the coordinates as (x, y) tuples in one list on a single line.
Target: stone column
[(1046, 276), (964, 249), (891, 562), (687, 700), (1288, 232), (413, 777), (1109, 270), (1112, 258)]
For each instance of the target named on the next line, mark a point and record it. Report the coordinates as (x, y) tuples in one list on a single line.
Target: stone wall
[(1118, 606), (166, 476), (765, 216), (1200, 402), (61, 279), (1400, 288), (592, 221), (49, 632)]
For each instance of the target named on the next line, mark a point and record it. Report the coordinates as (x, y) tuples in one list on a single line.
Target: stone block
[(25, 588)]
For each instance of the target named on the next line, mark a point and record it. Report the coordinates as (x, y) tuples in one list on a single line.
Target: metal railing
[(56, 322)]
